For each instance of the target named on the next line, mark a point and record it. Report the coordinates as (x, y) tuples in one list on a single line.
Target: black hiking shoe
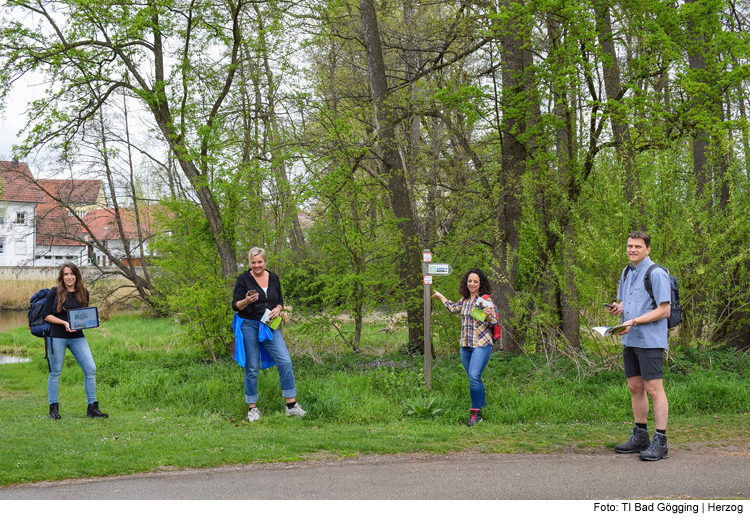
[(54, 411), (637, 443), (94, 412), (475, 417), (657, 450)]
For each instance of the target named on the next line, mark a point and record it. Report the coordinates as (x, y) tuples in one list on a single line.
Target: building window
[(2, 245), (20, 247), (20, 218), (47, 257)]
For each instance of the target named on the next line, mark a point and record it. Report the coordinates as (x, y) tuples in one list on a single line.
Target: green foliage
[(352, 267), (422, 408), (290, 133), (191, 279), (168, 406), (689, 360)]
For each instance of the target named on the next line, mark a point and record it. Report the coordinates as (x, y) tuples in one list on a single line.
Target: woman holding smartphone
[(477, 317), (256, 291), (69, 294)]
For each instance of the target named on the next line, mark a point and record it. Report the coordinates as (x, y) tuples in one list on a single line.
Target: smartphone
[(607, 305)]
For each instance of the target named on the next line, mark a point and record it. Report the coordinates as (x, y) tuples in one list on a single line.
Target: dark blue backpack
[(675, 317), (38, 326)]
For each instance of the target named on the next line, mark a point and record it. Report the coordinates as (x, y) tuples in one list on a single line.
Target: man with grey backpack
[(645, 296)]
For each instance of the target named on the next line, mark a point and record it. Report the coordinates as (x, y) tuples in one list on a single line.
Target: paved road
[(698, 473)]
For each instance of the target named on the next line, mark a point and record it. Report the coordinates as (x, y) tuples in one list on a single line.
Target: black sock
[(642, 426), (290, 405), (662, 431)]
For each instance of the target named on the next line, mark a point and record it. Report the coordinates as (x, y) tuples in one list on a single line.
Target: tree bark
[(620, 129), (508, 208), (392, 169)]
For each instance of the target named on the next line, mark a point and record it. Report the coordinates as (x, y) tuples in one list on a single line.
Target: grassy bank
[(171, 409), (15, 293)]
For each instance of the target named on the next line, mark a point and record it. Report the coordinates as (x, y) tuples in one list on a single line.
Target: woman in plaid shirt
[(476, 334)]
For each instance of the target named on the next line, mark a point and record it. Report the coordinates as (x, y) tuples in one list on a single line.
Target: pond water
[(8, 321), (12, 359), (13, 319)]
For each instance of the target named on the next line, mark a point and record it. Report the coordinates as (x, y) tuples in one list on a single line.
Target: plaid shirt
[(473, 333)]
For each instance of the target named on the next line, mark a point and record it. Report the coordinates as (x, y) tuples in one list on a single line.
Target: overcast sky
[(13, 117)]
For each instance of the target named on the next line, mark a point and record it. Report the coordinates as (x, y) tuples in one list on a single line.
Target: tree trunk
[(620, 128), (409, 256), (508, 208), (198, 179)]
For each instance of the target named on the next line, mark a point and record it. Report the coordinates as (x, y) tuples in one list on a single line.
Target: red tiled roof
[(102, 224), (56, 228), (18, 184), (73, 192)]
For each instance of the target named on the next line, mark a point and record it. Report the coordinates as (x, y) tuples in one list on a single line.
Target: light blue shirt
[(636, 301)]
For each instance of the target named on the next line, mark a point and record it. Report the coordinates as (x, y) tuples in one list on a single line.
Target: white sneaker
[(253, 415), (295, 411)]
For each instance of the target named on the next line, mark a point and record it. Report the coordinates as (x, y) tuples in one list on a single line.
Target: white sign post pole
[(427, 257)]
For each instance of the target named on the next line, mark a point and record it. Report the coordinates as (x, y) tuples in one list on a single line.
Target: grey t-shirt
[(636, 301)]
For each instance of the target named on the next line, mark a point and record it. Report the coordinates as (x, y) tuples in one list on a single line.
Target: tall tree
[(161, 53), (386, 119), (515, 100)]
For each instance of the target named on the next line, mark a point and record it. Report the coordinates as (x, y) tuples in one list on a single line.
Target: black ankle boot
[(94, 412), (54, 411)]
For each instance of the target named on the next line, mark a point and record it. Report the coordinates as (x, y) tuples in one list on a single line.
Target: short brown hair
[(642, 235)]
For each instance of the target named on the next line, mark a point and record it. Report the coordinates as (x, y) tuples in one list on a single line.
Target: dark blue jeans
[(474, 360)]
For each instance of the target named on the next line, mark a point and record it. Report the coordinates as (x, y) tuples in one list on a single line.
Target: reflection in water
[(12, 359), (13, 319), (9, 321)]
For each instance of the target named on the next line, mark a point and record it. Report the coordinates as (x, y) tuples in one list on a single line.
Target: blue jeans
[(277, 350), (474, 360), (81, 351)]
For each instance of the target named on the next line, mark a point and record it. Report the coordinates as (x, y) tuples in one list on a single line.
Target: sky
[(13, 118)]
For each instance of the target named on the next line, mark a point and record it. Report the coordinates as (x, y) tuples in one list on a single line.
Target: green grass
[(170, 408)]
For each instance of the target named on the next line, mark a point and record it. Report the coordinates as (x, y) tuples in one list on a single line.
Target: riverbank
[(170, 408), (16, 292)]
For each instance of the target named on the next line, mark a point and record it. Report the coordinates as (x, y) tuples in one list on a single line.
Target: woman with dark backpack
[(477, 320), (69, 294)]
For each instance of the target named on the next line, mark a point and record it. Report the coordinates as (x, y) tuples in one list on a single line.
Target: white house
[(102, 224), (48, 222), (18, 203), (60, 236)]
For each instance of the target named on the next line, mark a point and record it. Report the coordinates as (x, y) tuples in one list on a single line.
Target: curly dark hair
[(485, 288)]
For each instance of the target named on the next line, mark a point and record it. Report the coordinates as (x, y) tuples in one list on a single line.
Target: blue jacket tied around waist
[(264, 334)]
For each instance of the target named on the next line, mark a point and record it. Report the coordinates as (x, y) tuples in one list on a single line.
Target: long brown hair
[(62, 292)]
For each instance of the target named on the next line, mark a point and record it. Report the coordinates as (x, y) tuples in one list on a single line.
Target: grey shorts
[(648, 363)]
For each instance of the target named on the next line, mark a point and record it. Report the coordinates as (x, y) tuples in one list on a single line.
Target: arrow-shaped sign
[(439, 269)]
